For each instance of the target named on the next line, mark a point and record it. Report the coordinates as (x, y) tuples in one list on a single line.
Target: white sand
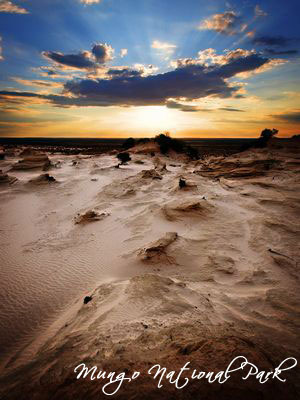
[(216, 278)]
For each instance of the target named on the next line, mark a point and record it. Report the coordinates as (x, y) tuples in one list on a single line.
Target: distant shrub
[(262, 141), (166, 143), (268, 133), (265, 136), (123, 157), (130, 142), (143, 140)]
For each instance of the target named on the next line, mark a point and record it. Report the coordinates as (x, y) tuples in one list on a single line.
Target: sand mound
[(130, 186), (156, 251), (145, 148), (90, 216), (189, 207), (5, 178), (28, 151), (32, 162), (150, 174), (132, 326), (242, 166), (43, 180), (183, 184)]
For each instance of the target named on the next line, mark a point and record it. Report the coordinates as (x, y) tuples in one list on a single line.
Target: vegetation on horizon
[(166, 143)]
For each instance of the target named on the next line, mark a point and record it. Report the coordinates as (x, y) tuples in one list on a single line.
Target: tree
[(124, 157), (167, 143), (268, 133), (265, 136)]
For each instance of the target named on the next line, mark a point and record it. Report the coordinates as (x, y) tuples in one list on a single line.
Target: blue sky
[(120, 67)]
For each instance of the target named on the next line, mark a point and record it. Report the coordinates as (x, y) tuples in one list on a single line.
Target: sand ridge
[(205, 269)]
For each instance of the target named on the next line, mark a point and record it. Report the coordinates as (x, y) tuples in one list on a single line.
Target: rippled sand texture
[(202, 273)]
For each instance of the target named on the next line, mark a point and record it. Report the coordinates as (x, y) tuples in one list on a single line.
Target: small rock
[(182, 183), (87, 299)]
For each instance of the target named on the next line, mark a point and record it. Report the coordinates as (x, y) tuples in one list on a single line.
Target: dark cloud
[(242, 64), (190, 108), (231, 109), (51, 72), (271, 41), (129, 89), (190, 81), (18, 94), (57, 100), (124, 72), (81, 60), (183, 107), (84, 60), (8, 115), (102, 52), (293, 116), (273, 52)]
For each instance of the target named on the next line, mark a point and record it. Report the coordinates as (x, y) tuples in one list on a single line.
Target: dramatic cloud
[(191, 82), (53, 72), (123, 53), (225, 23), (183, 107), (10, 7), (39, 83), (84, 60), (124, 72), (271, 41), (90, 1), (126, 87), (272, 63), (275, 42), (292, 117), (272, 52), (102, 52), (259, 12), (230, 109), (190, 108), (209, 56), (145, 69), (164, 47), (57, 100)]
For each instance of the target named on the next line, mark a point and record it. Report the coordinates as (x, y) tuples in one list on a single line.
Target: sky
[(119, 68)]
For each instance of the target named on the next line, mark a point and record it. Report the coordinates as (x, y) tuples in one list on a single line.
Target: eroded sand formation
[(32, 161), (200, 273), (5, 178)]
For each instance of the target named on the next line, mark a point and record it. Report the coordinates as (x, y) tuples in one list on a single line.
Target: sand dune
[(197, 273), (32, 162)]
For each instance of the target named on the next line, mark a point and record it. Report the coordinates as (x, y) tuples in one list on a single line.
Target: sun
[(154, 119)]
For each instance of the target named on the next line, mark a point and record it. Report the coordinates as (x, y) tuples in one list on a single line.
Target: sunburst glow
[(154, 119)]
